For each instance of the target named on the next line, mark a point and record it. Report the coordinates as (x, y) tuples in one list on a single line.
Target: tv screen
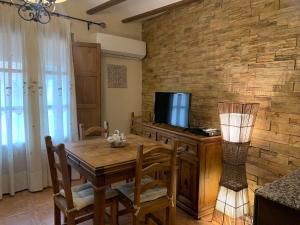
[(172, 108)]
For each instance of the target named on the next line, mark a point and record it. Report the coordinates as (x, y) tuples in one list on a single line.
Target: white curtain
[(36, 98)]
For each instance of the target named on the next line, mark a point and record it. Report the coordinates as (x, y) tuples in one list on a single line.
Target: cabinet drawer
[(188, 147), (165, 139), (149, 133)]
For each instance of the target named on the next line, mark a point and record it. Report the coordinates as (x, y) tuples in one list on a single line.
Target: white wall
[(118, 103)]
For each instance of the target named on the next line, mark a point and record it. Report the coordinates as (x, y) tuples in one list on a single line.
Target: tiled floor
[(37, 209)]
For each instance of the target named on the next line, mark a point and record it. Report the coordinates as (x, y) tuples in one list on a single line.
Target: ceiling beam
[(103, 6), (159, 10)]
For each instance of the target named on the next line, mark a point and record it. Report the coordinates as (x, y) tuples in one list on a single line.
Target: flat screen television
[(172, 108)]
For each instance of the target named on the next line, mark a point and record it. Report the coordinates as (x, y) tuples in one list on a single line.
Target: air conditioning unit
[(121, 46)]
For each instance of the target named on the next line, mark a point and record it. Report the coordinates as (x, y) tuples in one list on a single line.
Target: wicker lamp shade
[(237, 121)]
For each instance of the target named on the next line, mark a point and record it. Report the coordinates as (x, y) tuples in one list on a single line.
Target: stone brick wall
[(238, 50)]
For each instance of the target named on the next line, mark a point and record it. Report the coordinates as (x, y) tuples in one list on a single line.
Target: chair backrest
[(136, 123), (93, 131), (58, 163), (163, 162)]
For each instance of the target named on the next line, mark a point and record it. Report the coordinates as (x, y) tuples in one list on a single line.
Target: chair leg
[(154, 219), (71, 220), (57, 219), (65, 220), (147, 216), (172, 215), (168, 216), (114, 208), (135, 220)]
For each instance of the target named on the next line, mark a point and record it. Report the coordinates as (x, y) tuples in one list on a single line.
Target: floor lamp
[(237, 122)]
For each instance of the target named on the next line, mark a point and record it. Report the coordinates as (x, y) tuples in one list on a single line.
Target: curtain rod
[(89, 23)]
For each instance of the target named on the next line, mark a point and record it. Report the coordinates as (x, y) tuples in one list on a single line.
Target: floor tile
[(27, 208)]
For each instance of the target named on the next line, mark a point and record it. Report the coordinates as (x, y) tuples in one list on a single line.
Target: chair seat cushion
[(83, 195), (148, 195)]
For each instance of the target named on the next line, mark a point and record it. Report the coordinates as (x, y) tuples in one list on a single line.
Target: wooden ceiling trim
[(103, 6), (158, 10)]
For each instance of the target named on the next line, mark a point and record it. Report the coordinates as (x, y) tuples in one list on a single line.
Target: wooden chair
[(77, 202), (93, 131), (136, 123), (148, 194)]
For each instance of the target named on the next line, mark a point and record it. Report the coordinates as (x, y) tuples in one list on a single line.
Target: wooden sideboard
[(199, 167)]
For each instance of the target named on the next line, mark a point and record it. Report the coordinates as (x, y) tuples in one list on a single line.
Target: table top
[(285, 191), (96, 153)]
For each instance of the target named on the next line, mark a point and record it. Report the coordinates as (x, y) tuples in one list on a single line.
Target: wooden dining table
[(103, 165)]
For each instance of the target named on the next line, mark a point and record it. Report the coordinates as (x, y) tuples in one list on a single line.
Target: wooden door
[(87, 69)]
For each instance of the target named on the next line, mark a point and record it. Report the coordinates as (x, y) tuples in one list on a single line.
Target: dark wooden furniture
[(199, 167), (278, 203), (63, 193), (93, 131), (158, 192), (103, 165), (87, 71)]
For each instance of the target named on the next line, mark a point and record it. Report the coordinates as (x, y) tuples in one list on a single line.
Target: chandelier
[(36, 10)]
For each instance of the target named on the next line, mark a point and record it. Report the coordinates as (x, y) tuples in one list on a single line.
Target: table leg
[(99, 196)]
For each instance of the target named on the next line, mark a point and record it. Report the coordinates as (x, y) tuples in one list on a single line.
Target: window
[(12, 102), (57, 101), (57, 80)]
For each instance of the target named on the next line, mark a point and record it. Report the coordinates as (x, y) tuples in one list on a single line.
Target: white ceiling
[(128, 8)]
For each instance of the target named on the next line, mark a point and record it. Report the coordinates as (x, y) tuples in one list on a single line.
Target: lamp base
[(220, 218), (232, 207)]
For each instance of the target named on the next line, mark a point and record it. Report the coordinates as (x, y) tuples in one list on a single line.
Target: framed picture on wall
[(116, 76)]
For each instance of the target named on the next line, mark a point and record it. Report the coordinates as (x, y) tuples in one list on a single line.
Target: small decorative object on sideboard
[(208, 132), (117, 140)]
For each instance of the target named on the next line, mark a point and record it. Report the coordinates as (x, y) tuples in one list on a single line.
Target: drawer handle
[(149, 135), (186, 148)]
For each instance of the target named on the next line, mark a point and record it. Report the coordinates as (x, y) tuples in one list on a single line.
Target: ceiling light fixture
[(36, 10)]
